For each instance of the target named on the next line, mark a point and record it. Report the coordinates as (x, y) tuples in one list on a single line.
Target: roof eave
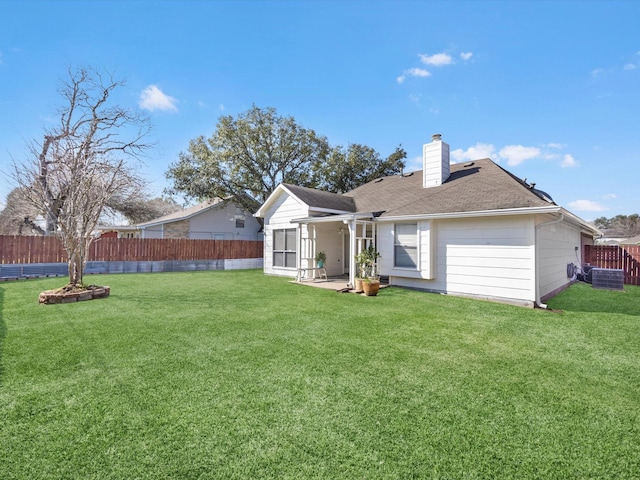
[(477, 213), (343, 217)]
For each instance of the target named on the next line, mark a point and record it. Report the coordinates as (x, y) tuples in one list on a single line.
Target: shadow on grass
[(3, 332), (582, 297)]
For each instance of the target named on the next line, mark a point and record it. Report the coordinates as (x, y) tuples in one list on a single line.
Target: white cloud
[(597, 72), (418, 72), (586, 206), (609, 196), (413, 72), (152, 98), (436, 60), (630, 66), (478, 151), (568, 161), (516, 154)]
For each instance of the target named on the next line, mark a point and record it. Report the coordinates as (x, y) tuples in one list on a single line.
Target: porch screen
[(406, 245), (284, 248)]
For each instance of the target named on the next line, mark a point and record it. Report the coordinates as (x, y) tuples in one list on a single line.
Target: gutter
[(476, 213)]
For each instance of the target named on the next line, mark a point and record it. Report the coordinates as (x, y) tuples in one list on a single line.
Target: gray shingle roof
[(322, 199), (183, 214), (471, 187)]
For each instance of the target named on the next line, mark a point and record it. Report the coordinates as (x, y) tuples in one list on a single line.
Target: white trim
[(345, 218)]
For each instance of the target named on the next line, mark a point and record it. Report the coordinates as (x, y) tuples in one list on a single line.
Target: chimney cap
[(436, 137)]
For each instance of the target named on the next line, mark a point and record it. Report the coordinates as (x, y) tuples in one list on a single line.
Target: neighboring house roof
[(473, 186), (182, 214)]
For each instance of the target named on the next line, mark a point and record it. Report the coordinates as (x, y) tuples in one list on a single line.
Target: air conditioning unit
[(608, 278)]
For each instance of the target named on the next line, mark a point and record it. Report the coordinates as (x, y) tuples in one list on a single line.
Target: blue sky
[(548, 89)]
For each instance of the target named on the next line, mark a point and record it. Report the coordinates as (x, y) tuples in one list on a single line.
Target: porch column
[(352, 247)]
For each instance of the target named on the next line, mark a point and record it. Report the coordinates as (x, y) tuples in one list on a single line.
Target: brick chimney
[(435, 162)]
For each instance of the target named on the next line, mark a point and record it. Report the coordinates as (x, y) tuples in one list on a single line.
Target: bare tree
[(83, 162)]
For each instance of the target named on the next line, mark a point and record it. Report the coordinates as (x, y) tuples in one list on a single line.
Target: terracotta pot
[(358, 285), (371, 287)]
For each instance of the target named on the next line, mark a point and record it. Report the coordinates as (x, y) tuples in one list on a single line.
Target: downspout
[(537, 276)]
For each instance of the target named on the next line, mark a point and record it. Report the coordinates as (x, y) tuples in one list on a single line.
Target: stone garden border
[(92, 292)]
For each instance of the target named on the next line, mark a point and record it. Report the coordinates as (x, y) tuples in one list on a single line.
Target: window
[(405, 251), (284, 248)]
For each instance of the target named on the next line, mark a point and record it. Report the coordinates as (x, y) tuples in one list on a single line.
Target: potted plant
[(320, 259), (365, 262), (371, 286)]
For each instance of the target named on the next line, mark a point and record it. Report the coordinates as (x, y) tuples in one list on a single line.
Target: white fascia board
[(479, 213), (275, 194), (270, 199)]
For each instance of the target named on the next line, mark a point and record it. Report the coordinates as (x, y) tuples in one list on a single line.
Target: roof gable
[(321, 200), (184, 214), (317, 200)]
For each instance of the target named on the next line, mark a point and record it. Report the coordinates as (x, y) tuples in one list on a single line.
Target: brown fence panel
[(35, 249), (31, 249), (624, 257), (631, 264)]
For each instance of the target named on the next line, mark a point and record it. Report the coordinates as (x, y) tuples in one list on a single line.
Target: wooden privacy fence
[(36, 249), (623, 257)]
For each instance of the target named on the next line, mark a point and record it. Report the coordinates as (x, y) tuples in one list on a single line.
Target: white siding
[(426, 252), (483, 257), (557, 245), (329, 240), (216, 222), (153, 232), (284, 209)]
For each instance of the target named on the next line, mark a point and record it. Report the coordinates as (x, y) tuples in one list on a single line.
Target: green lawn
[(238, 375)]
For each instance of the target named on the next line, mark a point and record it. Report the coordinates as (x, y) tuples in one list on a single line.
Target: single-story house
[(212, 220), (470, 229)]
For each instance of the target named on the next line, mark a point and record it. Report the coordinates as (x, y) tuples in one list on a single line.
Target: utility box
[(607, 278)]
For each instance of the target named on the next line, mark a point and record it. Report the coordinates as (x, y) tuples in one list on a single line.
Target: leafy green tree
[(247, 157), (602, 223), (346, 169)]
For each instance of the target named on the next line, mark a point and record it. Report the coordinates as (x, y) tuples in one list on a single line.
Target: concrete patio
[(338, 284)]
